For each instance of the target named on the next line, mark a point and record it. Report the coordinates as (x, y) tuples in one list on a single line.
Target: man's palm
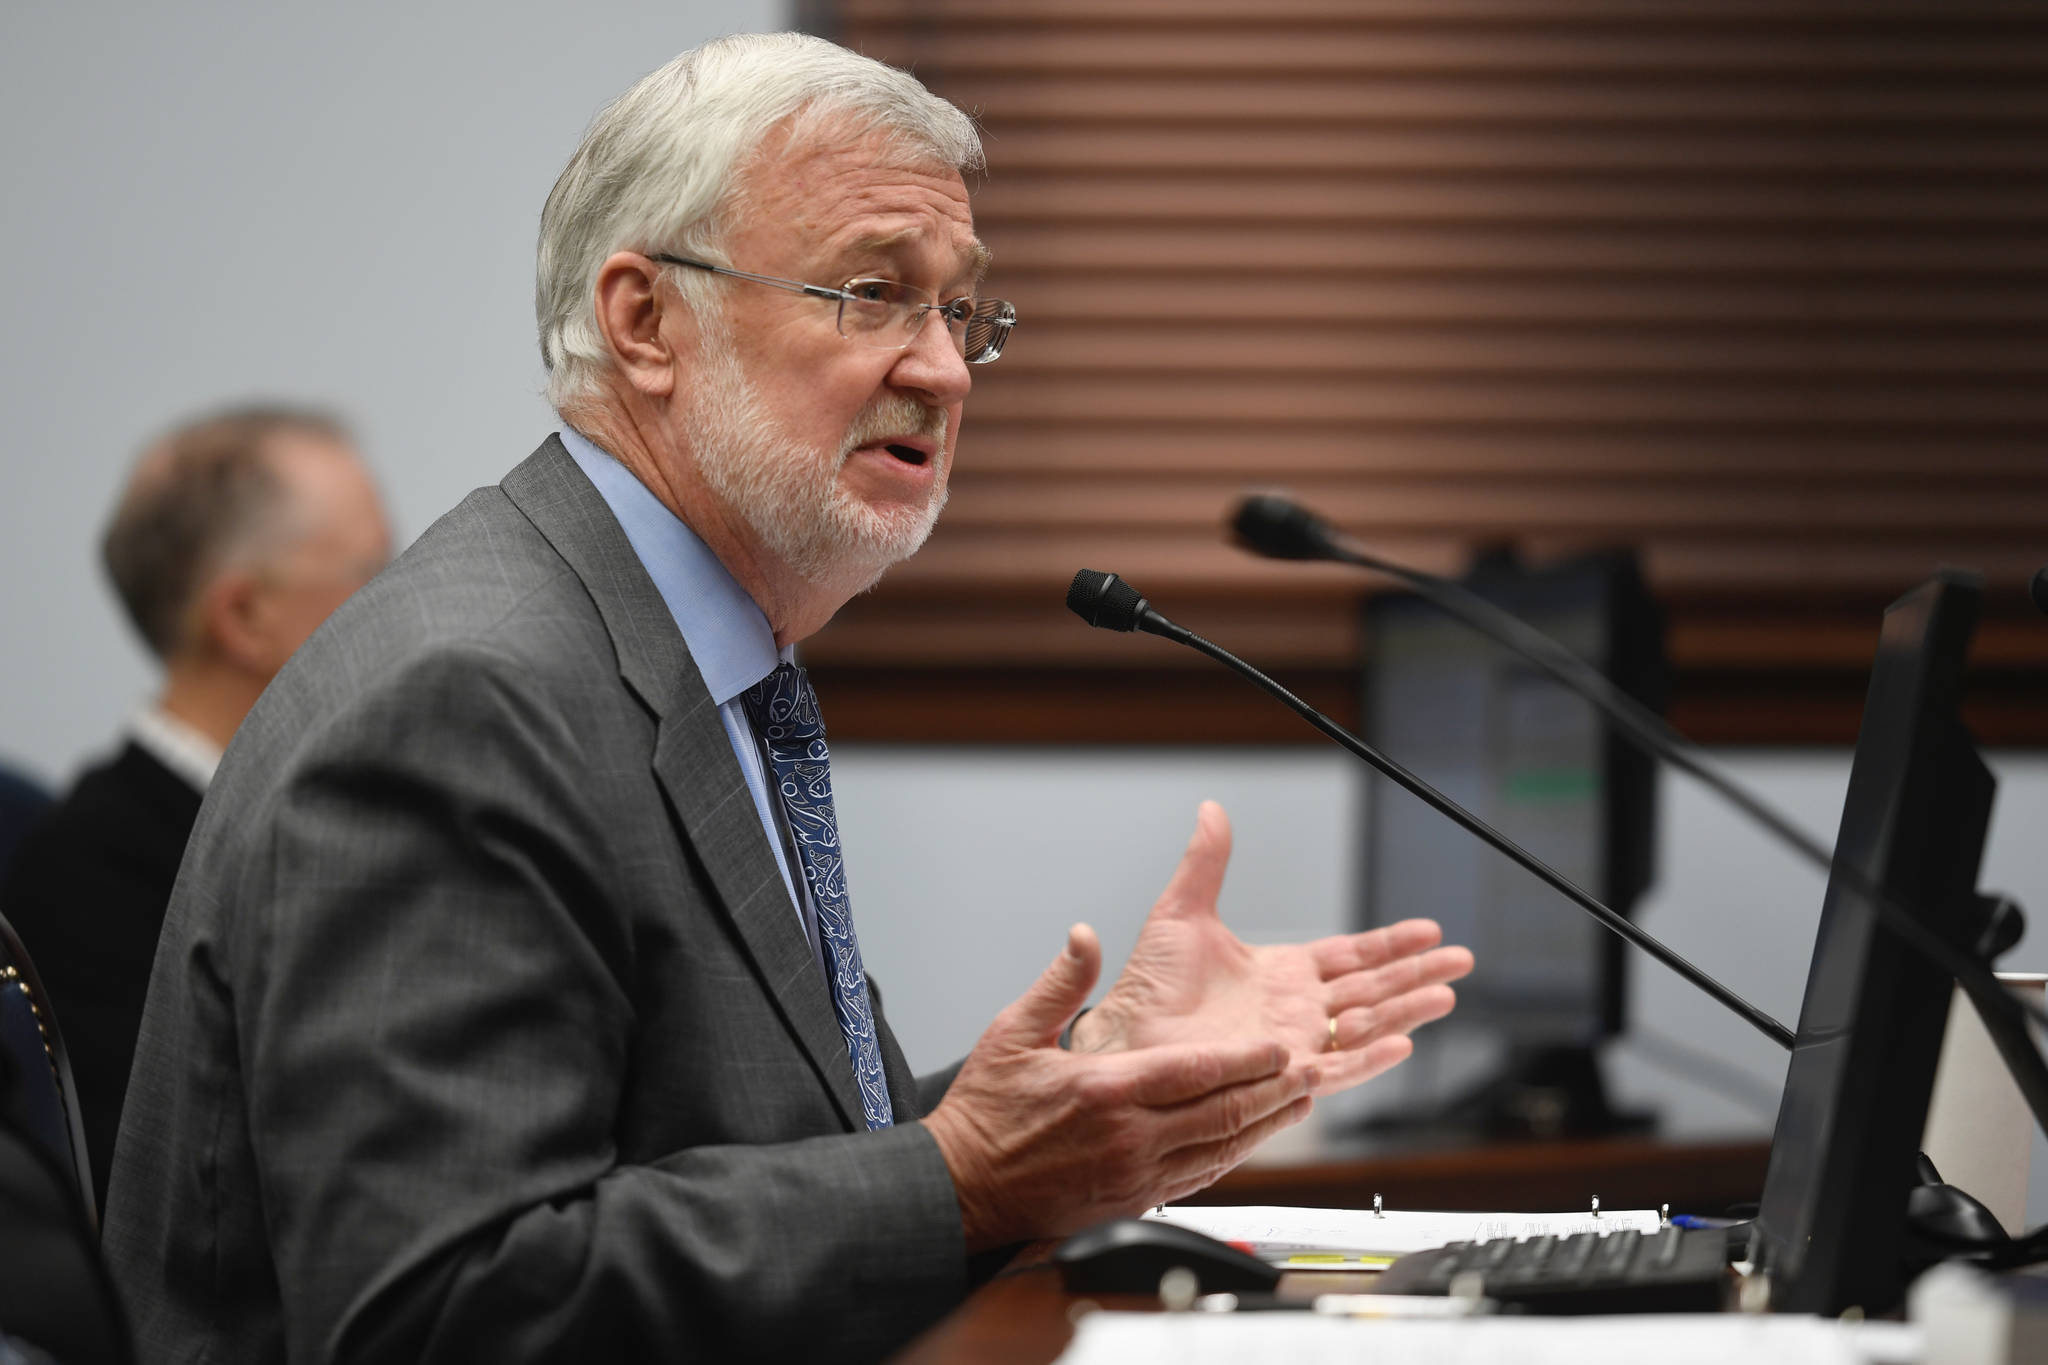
[(1190, 980)]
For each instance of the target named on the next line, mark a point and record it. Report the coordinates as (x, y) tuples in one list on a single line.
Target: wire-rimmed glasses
[(890, 314)]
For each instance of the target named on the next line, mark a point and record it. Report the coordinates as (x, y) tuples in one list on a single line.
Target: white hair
[(658, 167)]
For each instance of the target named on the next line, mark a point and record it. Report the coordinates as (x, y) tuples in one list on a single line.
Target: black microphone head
[(1280, 528), (2038, 589), (1103, 599)]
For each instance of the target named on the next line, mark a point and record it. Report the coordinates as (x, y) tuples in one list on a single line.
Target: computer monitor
[(1540, 764), (1833, 1217)]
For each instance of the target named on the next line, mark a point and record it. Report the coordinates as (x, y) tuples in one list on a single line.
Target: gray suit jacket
[(482, 1027)]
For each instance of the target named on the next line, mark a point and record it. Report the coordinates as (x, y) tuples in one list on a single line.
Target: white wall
[(334, 203)]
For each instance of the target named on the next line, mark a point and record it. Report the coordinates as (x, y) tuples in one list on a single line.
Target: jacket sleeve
[(436, 1027)]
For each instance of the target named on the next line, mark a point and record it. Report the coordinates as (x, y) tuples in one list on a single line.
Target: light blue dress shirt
[(729, 638)]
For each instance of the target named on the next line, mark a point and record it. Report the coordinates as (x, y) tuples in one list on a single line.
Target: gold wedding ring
[(1333, 1034)]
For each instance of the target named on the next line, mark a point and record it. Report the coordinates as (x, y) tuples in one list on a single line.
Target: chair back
[(39, 1099), (55, 1292)]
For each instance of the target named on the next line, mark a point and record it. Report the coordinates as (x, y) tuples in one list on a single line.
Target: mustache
[(895, 416)]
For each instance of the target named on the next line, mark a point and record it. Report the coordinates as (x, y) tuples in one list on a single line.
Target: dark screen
[(1537, 762), (1856, 1092)]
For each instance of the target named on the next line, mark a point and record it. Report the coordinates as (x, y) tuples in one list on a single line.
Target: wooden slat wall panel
[(1759, 288)]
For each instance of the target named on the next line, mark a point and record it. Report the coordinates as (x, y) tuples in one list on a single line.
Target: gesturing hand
[(1191, 981), (1041, 1141)]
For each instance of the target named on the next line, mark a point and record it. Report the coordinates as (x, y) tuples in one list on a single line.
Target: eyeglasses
[(890, 314)]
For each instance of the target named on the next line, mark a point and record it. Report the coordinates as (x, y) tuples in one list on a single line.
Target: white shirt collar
[(176, 745)]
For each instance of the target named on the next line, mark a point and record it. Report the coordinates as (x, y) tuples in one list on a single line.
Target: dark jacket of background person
[(22, 803), (86, 892)]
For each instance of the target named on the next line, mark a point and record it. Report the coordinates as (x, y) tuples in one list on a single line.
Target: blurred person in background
[(236, 535)]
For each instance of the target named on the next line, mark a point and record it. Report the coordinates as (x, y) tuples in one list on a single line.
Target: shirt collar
[(176, 745), (728, 636)]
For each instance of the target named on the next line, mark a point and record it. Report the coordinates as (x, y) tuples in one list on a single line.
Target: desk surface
[(1022, 1317)]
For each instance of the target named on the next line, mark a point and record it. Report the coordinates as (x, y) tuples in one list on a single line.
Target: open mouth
[(908, 454)]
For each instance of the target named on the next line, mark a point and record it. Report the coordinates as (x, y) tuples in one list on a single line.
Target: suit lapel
[(710, 798), (693, 759)]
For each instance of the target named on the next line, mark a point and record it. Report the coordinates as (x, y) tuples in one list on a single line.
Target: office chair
[(40, 1100), (55, 1292)]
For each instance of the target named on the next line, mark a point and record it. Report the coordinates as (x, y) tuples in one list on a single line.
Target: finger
[(1198, 881), (1343, 1070), (1036, 1017), (1225, 1113), (1202, 1164), (1344, 953), (1161, 1077), (1402, 1014), (1434, 967)]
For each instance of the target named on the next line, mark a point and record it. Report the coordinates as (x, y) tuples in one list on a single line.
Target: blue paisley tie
[(784, 710)]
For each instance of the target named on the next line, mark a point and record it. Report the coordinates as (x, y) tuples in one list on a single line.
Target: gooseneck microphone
[(1279, 528), (1106, 601)]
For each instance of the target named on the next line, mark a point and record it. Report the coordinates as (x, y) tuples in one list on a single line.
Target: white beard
[(789, 493)]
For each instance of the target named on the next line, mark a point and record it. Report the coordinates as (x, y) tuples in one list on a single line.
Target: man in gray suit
[(509, 1006)]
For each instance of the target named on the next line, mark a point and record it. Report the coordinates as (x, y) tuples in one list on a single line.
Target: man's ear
[(231, 621), (631, 308)]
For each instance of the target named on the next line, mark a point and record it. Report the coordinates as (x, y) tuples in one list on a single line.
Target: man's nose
[(932, 367)]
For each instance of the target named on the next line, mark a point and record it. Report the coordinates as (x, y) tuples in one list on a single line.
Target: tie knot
[(784, 708)]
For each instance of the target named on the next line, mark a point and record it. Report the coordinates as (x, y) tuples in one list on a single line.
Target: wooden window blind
[(1760, 289)]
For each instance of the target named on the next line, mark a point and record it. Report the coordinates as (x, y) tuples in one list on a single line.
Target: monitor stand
[(1538, 1093)]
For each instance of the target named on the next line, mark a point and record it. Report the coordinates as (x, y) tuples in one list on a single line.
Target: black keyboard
[(1671, 1270)]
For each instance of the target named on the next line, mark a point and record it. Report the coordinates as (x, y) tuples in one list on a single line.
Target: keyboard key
[(1578, 1250), (1617, 1249), (1672, 1270)]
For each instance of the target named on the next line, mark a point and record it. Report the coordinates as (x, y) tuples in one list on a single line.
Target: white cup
[(1979, 1134)]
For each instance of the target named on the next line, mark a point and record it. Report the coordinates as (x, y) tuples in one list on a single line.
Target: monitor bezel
[(1831, 1228)]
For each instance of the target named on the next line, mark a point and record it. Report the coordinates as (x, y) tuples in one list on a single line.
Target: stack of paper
[(1347, 1239)]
